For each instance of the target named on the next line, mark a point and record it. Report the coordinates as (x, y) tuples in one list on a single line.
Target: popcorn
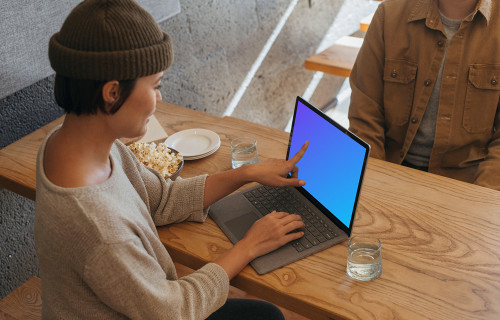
[(158, 157)]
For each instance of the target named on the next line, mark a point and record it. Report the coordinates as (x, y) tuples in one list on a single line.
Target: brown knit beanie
[(110, 40)]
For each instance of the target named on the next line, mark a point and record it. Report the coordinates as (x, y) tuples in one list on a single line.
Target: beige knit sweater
[(99, 251)]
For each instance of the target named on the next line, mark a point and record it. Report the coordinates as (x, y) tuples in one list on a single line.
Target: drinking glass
[(364, 258), (244, 151)]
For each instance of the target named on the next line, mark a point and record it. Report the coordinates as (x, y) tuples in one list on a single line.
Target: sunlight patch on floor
[(260, 58)]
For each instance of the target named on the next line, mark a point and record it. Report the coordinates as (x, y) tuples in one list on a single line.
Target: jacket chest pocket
[(482, 98), (399, 88)]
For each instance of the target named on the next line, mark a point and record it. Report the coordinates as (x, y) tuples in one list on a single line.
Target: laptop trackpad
[(240, 225)]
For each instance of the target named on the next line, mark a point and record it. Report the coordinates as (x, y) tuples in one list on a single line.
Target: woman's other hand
[(271, 232), (265, 235)]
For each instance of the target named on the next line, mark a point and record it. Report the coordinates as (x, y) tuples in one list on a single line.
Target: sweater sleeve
[(366, 110), (177, 201), (168, 201), (129, 280)]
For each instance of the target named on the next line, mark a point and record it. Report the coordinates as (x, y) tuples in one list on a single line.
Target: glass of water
[(244, 151), (364, 258)]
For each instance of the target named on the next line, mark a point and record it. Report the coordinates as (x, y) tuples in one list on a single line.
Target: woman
[(97, 207)]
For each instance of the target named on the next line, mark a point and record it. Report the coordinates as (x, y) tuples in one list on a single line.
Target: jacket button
[(427, 82), (440, 43), (402, 154), (494, 81), (394, 74), (414, 120)]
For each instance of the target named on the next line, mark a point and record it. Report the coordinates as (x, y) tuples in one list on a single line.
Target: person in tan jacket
[(425, 87)]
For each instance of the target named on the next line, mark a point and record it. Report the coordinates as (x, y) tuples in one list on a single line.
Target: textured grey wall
[(25, 31), (216, 43)]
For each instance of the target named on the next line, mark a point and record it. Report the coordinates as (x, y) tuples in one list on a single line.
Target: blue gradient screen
[(332, 164)]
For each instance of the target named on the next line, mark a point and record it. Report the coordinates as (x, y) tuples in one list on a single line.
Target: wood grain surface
[(18, 162), (365, 22), (441, 256), (336, 60), (439, 246), (23, 303), (440, 237)]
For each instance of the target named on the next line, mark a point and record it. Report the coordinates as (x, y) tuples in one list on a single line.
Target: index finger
[(296, 157)]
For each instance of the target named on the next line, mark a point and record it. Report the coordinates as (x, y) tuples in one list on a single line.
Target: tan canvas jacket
[(394, 75)]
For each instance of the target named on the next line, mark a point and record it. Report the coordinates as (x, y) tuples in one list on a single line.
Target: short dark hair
[(81, 96)]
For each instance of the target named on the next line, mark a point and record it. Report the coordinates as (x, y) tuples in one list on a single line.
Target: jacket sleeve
[(488, 172), (130, 281), (366, 110)]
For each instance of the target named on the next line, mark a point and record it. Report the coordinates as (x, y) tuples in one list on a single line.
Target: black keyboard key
[(299, 248), (305, 243), (315, 233), (321, 238), (270, 209), (296, 244), (262, 210), (322, 229), (312, 240)]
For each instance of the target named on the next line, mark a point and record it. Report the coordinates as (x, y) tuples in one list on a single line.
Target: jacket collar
[(428, 9)]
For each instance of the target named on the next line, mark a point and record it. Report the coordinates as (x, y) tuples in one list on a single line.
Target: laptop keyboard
[(267, 199)]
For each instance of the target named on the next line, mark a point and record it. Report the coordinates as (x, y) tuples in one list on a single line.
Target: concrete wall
[(216, 44)]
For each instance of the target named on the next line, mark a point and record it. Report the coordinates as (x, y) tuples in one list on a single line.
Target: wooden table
[(440, 237), (365, 22)]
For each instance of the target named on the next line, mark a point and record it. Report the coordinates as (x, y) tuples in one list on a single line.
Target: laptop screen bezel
[(330, 215)]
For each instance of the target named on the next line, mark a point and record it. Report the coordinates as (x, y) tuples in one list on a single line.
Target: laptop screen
[(333, 165)]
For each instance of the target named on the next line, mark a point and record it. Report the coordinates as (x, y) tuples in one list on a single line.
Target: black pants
[(247, 309)]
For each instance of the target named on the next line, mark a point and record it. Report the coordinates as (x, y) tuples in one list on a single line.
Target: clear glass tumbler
[(364, 258), (244, 151)]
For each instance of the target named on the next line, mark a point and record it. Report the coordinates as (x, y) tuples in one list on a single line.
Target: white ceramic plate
[(193, 142), (203, 155)]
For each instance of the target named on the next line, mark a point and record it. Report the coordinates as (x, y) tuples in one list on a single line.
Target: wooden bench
[(365, 22), (24, 303), (337, 59)]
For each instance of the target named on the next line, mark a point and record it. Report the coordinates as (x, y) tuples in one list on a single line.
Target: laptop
[(333, 168)]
